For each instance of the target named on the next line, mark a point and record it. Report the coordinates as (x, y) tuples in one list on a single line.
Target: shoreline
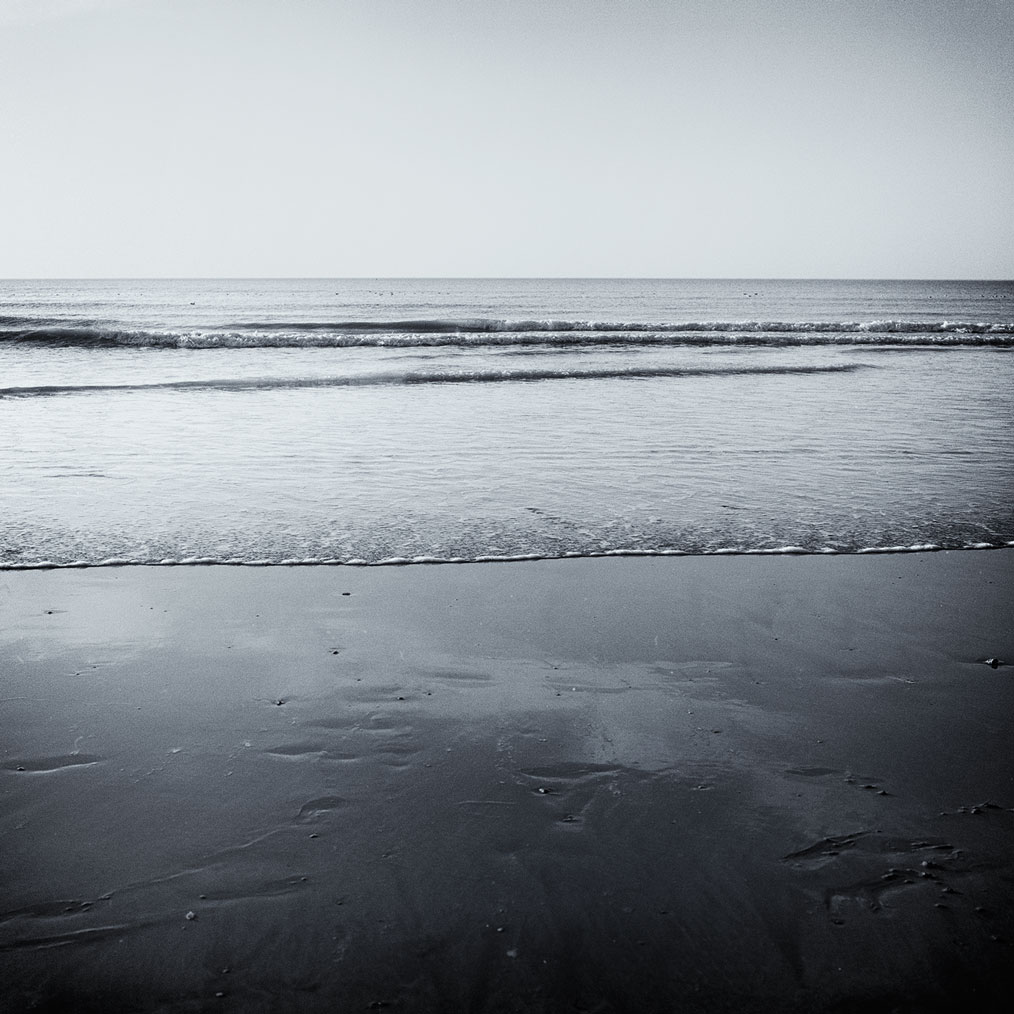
[(418, 561), (768, 782)]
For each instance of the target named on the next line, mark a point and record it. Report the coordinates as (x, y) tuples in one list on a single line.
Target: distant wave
[(32, 321), (489, 332), (494, 326), (422, 377)]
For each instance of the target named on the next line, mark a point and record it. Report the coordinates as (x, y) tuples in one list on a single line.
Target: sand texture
[(695, 785)]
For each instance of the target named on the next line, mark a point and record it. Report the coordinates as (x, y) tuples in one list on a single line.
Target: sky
[(486, 138)]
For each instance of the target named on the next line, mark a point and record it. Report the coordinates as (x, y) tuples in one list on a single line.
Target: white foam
[(926, 547), (429, 560)]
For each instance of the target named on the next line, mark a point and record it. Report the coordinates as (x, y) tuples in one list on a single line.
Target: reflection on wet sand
[(593, 785)]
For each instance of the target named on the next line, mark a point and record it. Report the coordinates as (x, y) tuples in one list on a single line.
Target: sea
[(377, 421)]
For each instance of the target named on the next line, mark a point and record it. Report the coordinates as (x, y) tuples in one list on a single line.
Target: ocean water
[(381, 421)]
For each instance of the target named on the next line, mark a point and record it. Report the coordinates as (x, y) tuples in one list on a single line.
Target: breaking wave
[(490, 332)]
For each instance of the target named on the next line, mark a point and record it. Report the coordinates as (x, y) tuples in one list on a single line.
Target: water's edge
[(424, 561)]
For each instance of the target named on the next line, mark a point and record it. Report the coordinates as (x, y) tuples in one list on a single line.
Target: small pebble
[(191, 916)]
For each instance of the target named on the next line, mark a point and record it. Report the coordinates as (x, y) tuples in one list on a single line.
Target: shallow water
[(248, 421)]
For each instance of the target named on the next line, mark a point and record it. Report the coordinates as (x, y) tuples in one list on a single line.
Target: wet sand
[(685, 784)]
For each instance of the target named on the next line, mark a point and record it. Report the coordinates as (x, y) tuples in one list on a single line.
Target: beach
[(732, 783), (506, 508)]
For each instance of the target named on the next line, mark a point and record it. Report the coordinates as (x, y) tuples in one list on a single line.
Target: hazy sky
[(777, 138)]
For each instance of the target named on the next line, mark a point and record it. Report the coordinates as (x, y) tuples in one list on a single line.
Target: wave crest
[(426, 377), (495, 332)]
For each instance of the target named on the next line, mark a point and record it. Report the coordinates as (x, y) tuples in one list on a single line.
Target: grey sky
[(854, 138)]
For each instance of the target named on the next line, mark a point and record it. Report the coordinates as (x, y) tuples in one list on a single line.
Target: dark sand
[(721, 784)]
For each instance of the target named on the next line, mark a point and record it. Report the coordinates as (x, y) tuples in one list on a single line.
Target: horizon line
[(503, 278)]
